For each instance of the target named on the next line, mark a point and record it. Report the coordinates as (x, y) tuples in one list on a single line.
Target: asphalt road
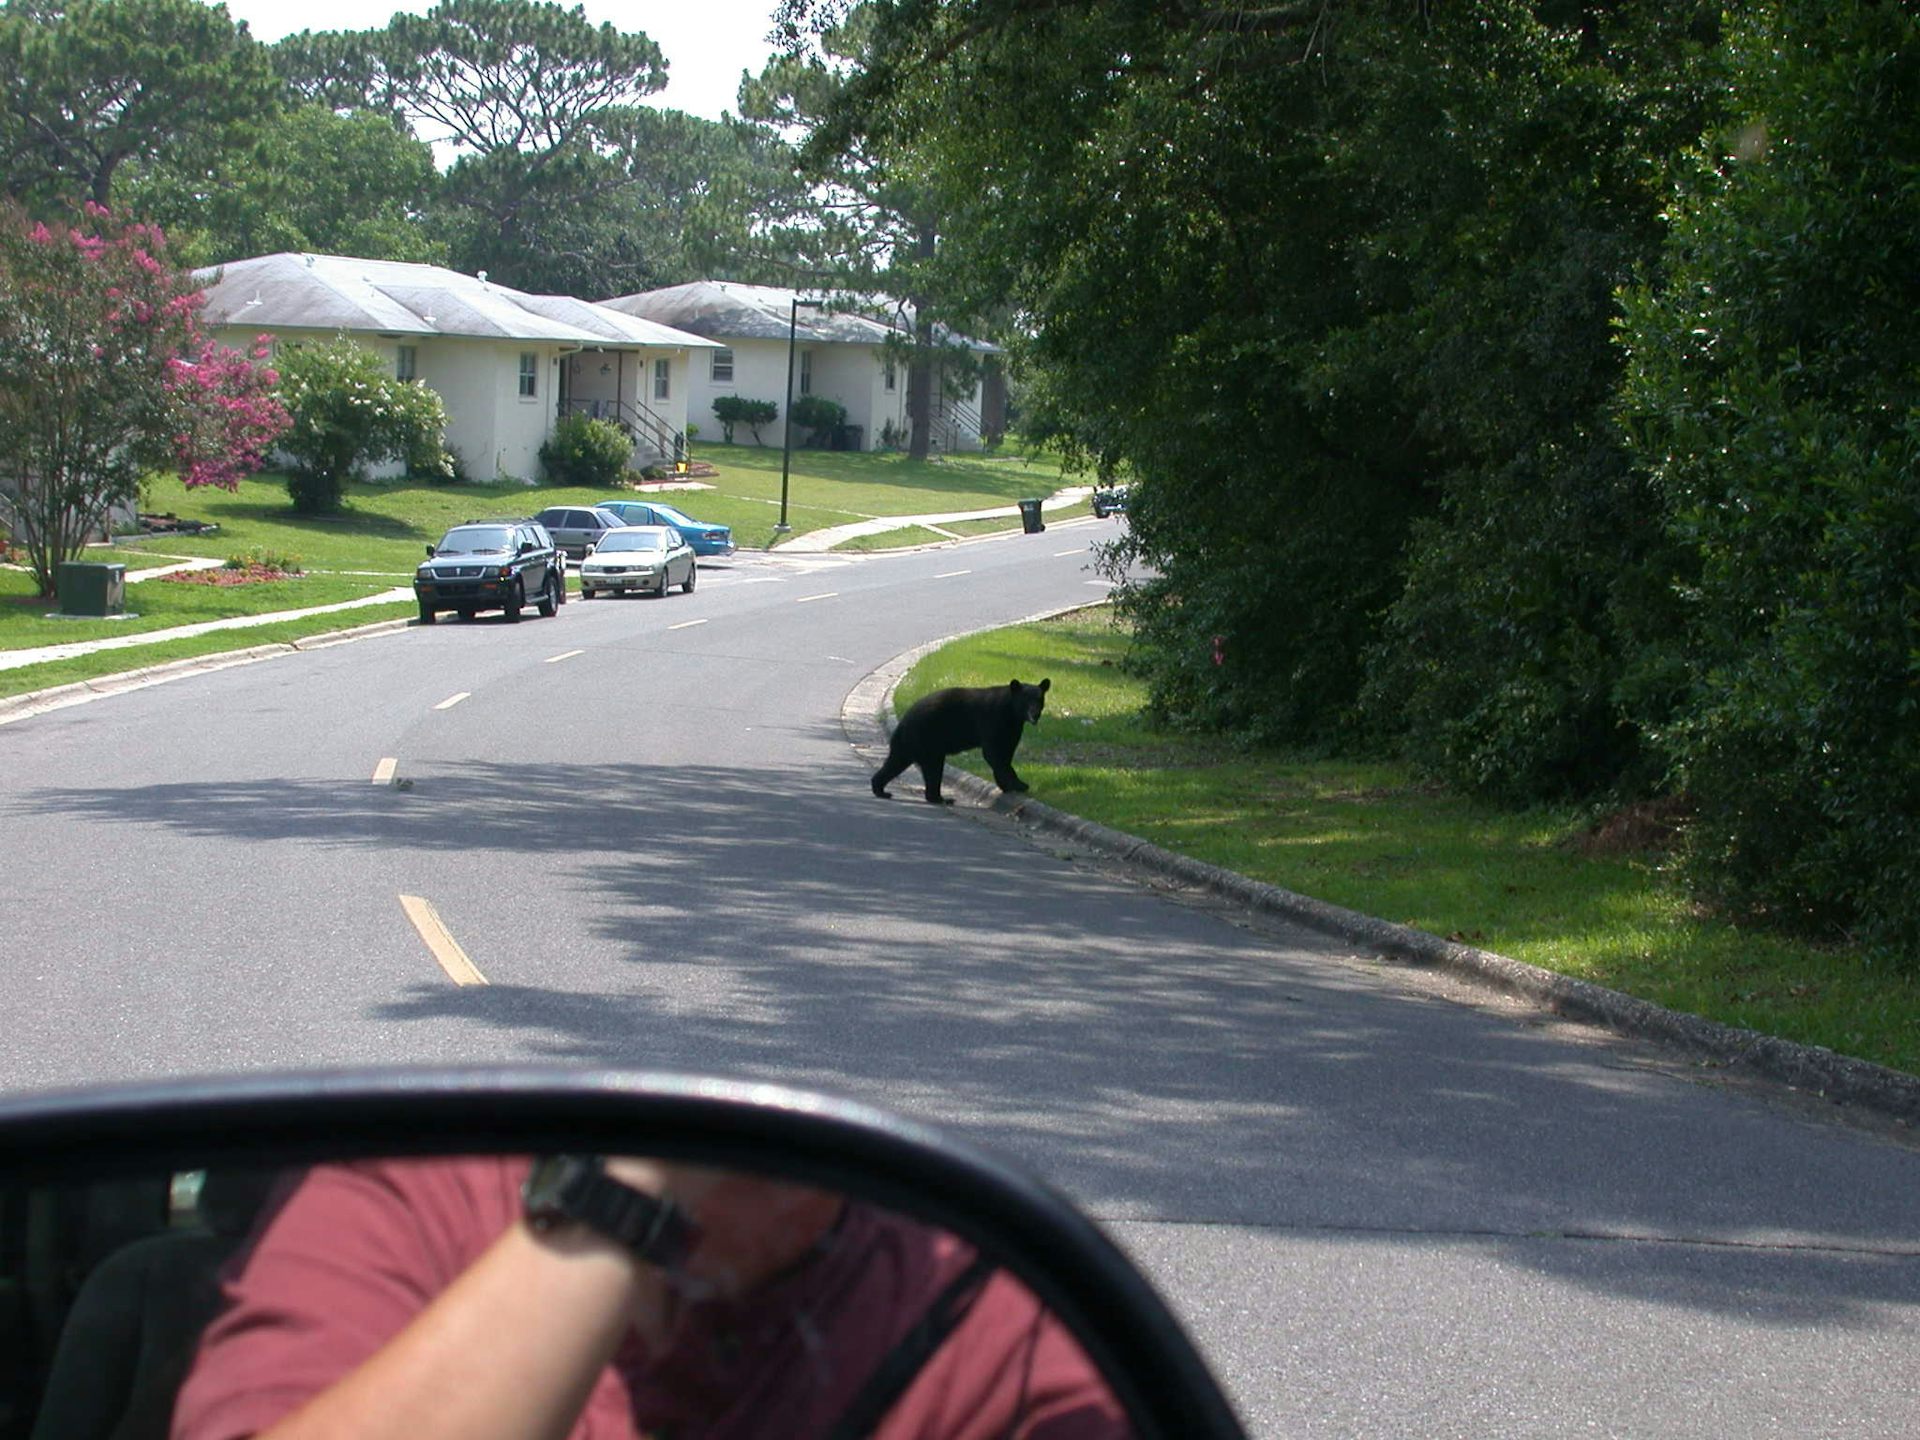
[(1384, 1207)]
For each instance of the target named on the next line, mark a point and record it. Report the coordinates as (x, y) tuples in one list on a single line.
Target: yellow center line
[(804, 599), (383, 772), (445, 948), (453, 700), (564, 655), (685, 623)]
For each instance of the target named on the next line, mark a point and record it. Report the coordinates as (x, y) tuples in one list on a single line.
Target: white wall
[(496, 431)]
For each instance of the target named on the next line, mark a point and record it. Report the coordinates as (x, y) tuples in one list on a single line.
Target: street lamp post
[(786, 415)]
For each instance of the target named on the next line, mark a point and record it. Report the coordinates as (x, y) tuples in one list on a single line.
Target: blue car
[(705, 539)]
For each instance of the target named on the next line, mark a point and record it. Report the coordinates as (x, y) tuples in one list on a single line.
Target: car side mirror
[(308, 1174), (527, 547), (430, 550), (591, 547)]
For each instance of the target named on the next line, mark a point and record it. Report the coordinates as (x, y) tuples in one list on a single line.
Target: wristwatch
[(576, 1190)]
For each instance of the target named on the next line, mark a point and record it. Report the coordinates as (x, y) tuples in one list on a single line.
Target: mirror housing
[(430, 550), (1125, 1328)]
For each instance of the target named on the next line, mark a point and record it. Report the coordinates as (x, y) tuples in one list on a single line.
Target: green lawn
[(1369, 837)]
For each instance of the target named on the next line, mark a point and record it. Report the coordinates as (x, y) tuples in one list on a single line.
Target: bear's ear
[(1013, 687), (1045, 685)]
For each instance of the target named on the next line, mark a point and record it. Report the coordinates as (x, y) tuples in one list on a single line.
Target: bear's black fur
[(947, 722)]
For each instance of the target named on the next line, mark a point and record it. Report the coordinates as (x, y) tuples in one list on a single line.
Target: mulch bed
[(245, 575)]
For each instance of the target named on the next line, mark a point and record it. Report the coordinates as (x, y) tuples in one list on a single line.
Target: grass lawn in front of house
[(1371, 837)]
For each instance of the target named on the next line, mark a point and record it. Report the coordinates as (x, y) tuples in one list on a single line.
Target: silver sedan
[(637, 557)]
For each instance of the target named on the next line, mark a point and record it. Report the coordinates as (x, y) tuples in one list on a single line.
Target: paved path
[(815, 541), (14, 659)]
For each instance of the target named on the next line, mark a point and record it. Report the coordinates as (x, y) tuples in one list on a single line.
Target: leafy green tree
[(349, 412), (314, 180), (105, 375), (870, 219), (1773, 394), (88, 85)]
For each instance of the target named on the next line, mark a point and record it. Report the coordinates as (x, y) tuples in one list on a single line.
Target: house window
[(806, 372), (723, 367), (406, 362), (892, 376), (662, 379), (529, 374)]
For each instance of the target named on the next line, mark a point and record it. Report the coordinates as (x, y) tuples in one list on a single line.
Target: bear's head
[(1030, 700)]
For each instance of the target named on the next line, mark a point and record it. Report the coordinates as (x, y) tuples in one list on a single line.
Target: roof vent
[(483, 277), (309, 260)]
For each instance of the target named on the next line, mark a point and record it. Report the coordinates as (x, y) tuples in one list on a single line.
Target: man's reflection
[(417, 1299)]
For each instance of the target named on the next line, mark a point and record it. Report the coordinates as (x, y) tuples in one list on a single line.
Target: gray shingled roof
[(388, 297), (726, 311)]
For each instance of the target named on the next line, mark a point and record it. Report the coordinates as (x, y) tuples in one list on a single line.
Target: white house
[(841, 353), (506, 364)]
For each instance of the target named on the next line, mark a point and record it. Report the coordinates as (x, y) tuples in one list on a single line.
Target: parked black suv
[(491, 565)]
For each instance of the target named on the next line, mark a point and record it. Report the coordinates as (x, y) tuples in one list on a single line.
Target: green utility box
[(89, 589)]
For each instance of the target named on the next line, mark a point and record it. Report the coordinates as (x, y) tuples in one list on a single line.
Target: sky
[(707, 42)]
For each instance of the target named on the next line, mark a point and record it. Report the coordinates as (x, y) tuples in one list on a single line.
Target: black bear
[(947, 722)]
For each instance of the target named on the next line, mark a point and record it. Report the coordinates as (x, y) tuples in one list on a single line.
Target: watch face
[(553, 1185)]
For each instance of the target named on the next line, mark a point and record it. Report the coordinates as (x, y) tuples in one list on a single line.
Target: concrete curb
[(1812, 1069), (36, 702)]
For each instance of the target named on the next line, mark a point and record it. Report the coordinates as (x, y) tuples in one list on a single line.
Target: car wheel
[(585, 593), (549, 602), (692, 570), (515, 600), (666, 582), (428, 615)]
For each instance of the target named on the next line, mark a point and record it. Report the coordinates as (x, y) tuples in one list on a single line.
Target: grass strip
[(1371, 837)]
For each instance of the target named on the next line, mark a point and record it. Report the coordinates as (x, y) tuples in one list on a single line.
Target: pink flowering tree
[(105, 376)]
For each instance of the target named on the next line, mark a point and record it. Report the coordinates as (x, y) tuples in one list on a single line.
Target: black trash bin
[(1030, 517)]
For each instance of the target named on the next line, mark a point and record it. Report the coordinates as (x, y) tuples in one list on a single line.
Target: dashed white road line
[(563, 655), (453, 700), (807, 599), (685, 623), (383, 772), (950, 574), (1102, 584), (445, 949), (1077, 550)]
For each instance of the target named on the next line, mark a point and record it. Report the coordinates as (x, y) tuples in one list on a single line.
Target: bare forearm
[(511, 1350)]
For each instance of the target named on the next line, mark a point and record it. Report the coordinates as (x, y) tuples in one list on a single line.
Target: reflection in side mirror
[(736, 1305), (786, 1266), (430, 550)]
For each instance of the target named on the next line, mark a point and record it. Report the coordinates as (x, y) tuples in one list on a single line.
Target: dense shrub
[(732, 410), (818, 414), (1774, 394), (585, 451), (349, 412)]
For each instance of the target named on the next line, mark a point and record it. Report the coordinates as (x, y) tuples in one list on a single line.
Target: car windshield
[(672, 516), (632, 540), (476, 540)]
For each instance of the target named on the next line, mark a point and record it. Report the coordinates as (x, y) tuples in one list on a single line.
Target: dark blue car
[(705, 539)]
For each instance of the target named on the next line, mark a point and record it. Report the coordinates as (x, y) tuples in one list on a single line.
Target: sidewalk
[(816, 541), (14, 659)]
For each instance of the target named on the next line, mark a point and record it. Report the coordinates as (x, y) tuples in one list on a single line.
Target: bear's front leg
[(934, 769), (1001, 762)]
